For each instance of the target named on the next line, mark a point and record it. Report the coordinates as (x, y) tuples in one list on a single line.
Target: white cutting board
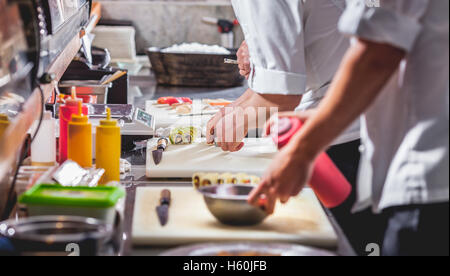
[(301, 220), (182, 161)]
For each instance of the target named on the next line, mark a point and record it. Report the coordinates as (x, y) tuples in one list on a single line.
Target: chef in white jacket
[(295, 50), (291, 53), (396, 74)]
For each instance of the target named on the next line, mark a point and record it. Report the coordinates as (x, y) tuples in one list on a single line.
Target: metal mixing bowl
[(51, 235), (228, 203)]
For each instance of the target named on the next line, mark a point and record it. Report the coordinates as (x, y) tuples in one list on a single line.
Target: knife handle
[(165, 197), (162, 144)]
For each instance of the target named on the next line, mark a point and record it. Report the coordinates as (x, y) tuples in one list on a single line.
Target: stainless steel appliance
[(50, 25)]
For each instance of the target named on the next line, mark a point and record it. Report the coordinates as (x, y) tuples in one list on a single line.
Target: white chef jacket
[(295, 48), (405, 133)]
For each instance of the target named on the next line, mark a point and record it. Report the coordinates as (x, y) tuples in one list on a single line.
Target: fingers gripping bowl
[(228, 204)]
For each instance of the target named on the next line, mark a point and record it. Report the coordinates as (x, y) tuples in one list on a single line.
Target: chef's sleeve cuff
[(380, 25), (265, 81)]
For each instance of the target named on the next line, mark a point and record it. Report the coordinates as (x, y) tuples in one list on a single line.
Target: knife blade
[(163, 209), (160, 148)]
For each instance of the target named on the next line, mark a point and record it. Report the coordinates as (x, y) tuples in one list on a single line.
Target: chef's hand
[(231, 130), (286, 177), (230, 126), (211, 126), (243, 56), (288, 173)]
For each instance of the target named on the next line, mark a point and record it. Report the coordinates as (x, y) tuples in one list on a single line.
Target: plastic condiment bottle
[(329, 184), (43, 148), (79, 139), (4, 123), (107, 148), (65, 114)]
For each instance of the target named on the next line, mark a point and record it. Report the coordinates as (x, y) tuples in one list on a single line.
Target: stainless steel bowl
[(228, 203), (53, 235)]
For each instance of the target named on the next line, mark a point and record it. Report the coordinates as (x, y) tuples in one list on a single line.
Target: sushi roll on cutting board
[(207, 179)]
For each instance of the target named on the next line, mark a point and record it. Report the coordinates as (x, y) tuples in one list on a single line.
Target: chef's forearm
[(365, 69), (257, 105)]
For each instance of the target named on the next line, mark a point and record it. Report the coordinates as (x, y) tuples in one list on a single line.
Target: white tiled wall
[(164, 23)]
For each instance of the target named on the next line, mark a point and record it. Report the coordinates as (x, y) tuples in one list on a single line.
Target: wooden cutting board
[(182, 161), (301, 221)]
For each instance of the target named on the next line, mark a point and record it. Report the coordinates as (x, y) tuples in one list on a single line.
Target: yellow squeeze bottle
[(107, 149), (4, 123), (79, 140)]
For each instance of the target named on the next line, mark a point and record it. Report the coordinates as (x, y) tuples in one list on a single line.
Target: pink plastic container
[(65, 114), (329, 184)]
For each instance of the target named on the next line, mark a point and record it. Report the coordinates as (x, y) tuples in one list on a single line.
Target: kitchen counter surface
[(142, 89)]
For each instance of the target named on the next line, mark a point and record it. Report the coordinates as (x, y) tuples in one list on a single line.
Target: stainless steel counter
[(143, 88)]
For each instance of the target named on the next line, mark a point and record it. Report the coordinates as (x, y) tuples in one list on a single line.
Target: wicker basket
[(195, 70)]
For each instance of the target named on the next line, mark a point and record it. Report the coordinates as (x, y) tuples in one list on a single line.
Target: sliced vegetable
[(173, 100)]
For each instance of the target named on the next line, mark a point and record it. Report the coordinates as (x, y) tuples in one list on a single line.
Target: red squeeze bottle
[(65, 115), (328, 183)]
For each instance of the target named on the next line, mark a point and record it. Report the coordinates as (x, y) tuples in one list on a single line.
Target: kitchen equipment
[(246, 249), (330, 185), (16, 60), (182, 161), (141, 123), (79, 139), (65, 115), (225, 28), (43, 147), (230, 61), (135, 124), (114, 77), (93, 57), (107, 148), (198, 70), (53, 235), (119, 40), (55, 200), (117, 111), (49, 29), (302, 220), (160, 148), (228, 203), (163, 209), (87, 87), (79, 71)]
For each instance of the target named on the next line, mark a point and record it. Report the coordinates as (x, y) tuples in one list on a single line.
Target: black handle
[(162, 144), (165, 197)]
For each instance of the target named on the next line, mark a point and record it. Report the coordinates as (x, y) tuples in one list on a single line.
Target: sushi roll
[(209, 179), (225, 178), (187, 138), (196, 179), (242, 178)]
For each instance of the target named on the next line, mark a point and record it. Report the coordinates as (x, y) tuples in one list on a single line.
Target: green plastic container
[(55, 200)]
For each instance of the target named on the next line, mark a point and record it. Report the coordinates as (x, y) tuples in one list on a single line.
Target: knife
[(160, 148), (163, 209)]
